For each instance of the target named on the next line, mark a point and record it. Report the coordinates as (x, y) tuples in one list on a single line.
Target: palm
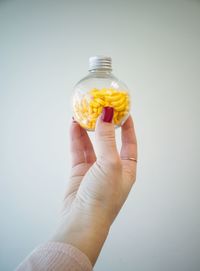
[(83, 157)]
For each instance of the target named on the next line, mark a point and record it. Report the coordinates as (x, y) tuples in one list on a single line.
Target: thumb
[(106, 148)]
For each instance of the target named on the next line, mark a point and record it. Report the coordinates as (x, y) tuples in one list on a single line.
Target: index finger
[(81, 147)]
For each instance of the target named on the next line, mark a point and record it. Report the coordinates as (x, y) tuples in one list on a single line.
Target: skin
[(100, 182)]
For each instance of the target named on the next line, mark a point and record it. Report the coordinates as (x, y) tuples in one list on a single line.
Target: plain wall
[(44, 51)]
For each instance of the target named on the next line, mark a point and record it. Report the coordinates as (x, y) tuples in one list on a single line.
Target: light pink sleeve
[(56, 256)]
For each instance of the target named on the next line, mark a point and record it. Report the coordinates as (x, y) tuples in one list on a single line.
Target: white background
[(44, 51)]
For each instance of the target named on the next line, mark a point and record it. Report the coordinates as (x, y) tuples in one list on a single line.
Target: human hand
[(99, 184)]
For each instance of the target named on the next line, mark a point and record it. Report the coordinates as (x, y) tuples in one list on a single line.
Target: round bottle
[(100, 88)]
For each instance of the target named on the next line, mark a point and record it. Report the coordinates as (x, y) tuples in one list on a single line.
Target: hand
[(99, 184)]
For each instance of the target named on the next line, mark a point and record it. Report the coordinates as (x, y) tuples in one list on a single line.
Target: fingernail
[(107, 114)]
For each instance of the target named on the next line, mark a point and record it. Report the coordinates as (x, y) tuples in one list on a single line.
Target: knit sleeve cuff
[(56, 256)]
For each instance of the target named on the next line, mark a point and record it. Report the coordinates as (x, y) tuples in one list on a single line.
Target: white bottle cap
[(100, 62)]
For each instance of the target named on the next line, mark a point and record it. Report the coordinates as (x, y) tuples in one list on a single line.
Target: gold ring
[(130, 158)]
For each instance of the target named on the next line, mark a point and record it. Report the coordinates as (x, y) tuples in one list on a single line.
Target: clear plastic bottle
[(100, 88)]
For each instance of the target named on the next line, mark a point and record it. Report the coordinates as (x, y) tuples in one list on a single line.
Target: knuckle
[(114, 163), (111, 163)]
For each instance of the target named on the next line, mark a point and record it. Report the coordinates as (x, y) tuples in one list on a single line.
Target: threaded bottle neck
[(101, 63)]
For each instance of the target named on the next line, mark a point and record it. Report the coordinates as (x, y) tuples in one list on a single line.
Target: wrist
[(83, 231)]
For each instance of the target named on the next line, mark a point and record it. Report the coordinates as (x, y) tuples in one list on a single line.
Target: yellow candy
[(112, 98), (99, 110), (89, 106), (94, 104), (96, 94), (93, 116), (119, 102), (100, 101), (90, 110), (84, 105)]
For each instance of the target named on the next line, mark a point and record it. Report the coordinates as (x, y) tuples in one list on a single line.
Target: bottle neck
[(101, 71)]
